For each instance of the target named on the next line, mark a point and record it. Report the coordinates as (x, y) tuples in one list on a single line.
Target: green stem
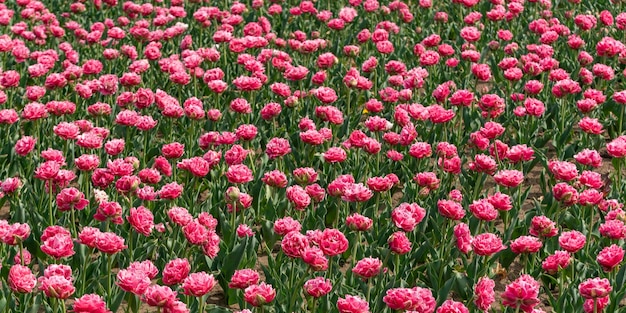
[(621, 120), (130, 244), (55, 304), (485, 265), (73, 222), (109, 285), (590, 230), (397, 266), (233, 223), (561, 283), (314, 305), (330, 267), (201, 304), (50, 212), (356, 245), (83, 273), (21, 253), (291, 283)]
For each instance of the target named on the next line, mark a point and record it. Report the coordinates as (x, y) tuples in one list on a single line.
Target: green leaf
[(36, 304), (217, 309), (232, 260), (117, 300), (445, 291)]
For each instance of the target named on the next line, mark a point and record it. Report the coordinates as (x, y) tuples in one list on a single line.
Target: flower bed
[(284, 156)]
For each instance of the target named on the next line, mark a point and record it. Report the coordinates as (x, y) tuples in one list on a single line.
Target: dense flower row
[(352, 157)]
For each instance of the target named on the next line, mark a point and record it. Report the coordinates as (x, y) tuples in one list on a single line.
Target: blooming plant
[(312, 156)]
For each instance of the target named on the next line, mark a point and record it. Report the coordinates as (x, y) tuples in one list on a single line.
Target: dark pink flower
[(522, 293), (259, 295)]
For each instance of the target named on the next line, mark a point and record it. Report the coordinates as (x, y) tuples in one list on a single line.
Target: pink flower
[(356, 193), (610, 257), (277, 147), (563, 170), (24, 145), (335, 155), (333, 242), (47, 170), (484, 294), (556, 262), (173, 150), (410, 299), (463, 238), (325, 94), (142, 220), (293, 244), (565, 193), (286, 225), (399, 243), (134, 281), (244, 230), (10, 185), (195, 232), (109, 243), (526, 244), (451, 306), (171, 191), (509, 178), (275, 178), (450, 209), (179, 215), (241, 279), (109, 211), (613, 229), (359, 222), (487, 244), (594, 288), (21, 279), (159, 296), (15, 234), (175, 271), (298, 196), (317, 287), (259, 295), (352, 304), (25, 257), (56, 287), (522, 293), (90, 303), (58, 246), (572, 241), (198, 284), (598, 303), (407, 216), (314, 257), (541, 226), (617, 147), (197, 166), (368, 267), (500, 201), (483, 210), (427, 179), (71, 198), (88, 235)]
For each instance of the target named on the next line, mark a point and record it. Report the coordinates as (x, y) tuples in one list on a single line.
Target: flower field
[(285, 156)]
